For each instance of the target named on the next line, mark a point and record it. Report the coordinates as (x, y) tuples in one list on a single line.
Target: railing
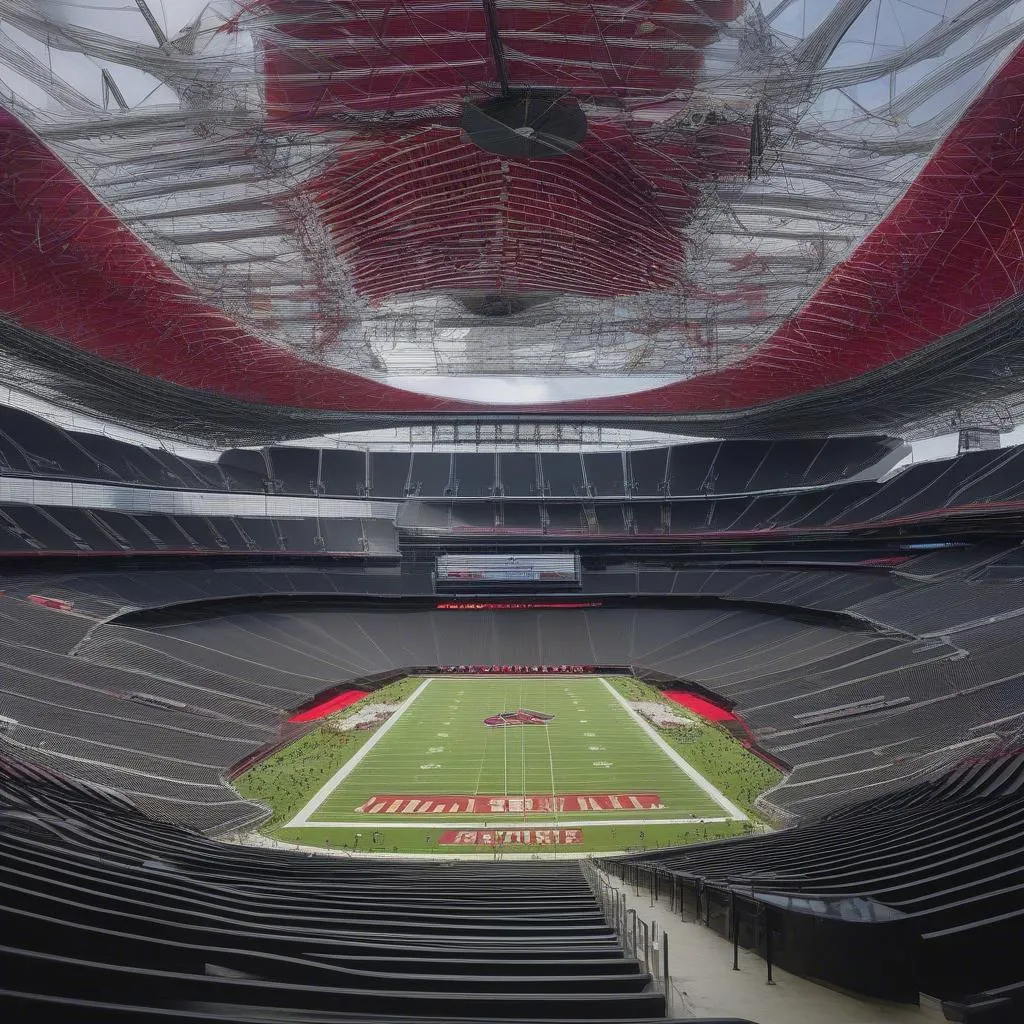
[(640, 939), (740, 918)]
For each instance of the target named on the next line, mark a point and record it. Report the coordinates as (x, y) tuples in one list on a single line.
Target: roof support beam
[(497, 46), (110, 88), (154, 25)]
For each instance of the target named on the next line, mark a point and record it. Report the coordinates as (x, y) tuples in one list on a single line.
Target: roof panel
[(764, 206)]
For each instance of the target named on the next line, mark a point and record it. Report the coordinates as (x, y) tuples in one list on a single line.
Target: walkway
[(704, 984)]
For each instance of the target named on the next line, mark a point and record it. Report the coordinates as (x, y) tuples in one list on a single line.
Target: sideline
[(677, 759), (302, 818), (507, 822), (257, 839)]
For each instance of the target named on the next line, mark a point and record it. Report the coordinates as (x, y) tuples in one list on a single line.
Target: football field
[(487, 760)]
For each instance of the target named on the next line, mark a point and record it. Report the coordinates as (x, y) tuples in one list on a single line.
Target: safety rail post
[(666, 987), (606, 894), (647, 939), (596, 885), (734, 926), (625, 932)]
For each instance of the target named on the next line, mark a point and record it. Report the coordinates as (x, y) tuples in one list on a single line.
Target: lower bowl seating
[(110, 916)]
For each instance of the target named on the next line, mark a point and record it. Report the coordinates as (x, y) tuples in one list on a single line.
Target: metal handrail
[(630, 929)]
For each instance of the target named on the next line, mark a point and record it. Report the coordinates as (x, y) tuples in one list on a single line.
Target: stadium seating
[(731, 487), (903, 662), (31, 446), (856, 704), (110, 916), (831, 484), (863, 670), (58, 529), (921, 891)]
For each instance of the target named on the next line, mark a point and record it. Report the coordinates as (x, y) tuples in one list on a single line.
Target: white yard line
[(260, 840), (483, 761), (677, 759), (504, 738), (551, 769), (522, 751), (373, 821), (302, 818)]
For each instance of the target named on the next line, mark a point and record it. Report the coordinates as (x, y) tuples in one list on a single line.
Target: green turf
[(739, 774), (441, 746), (288, 778), (473, 759), (596, 838)]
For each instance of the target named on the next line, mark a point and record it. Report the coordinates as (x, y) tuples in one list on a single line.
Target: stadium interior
[(386, 386)]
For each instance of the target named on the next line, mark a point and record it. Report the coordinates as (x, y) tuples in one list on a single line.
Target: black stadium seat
[(108, 912), (605, 476), (430, 476), (931, 876), (389, 474), (343, 473), (473, 474), (519, 475), (648, 471), (297, 469)]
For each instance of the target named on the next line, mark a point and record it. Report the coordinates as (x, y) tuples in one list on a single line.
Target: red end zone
[(328, 707), (513, 837), (703, 707), (581, 803)]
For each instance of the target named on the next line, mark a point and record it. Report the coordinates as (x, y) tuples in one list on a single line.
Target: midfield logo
[(520, 717)]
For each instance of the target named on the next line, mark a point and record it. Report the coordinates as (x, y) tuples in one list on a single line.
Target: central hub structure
[(526, 125)]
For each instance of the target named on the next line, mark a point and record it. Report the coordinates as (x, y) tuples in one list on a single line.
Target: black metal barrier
[(874, 958)]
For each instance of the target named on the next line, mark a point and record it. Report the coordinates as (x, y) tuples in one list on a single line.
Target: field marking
[(483, 760), (302, 818), (677, 759), (504, 737), (551, 770), (371, 824), (522, 745)]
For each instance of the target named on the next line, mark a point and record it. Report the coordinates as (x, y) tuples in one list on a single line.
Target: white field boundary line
[(372, 822), (259, 840), (302, 818), (677, 759)]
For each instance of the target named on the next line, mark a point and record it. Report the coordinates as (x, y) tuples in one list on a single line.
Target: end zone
[(302, 818)]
